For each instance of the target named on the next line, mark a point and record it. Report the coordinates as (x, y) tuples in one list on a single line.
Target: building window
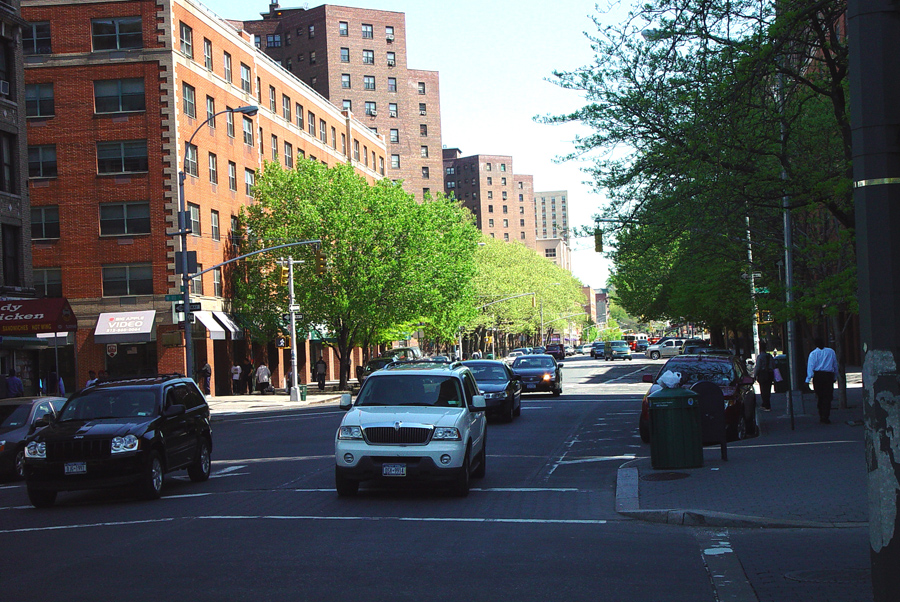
[(117, 219), (312, 31), (490, 194), (249, 181), (345, 80), (423, 130), (550, 253), (490, 208), (273, 40), (323, 135), (521, 197), (288, 155), (367, 31), (381, 165), (190, 160), (343, 29), (355, 149), (522, 223), (425, 173), (42, 161), (344, 144), (522, 210), (395, 161), (207, 54), (366, 156), (232, 176), (506, 223), (229, 122), (117, 34), (186, 38), (39, 100), (423, 151), (226, 61), (312, 58), (194, 211), (422, 109), (248, 131), (36, 38), (298, 109), (119, 95), (48, 282), (213, 169), (245, 78), (347, 105), (503, 180), (257, 41), (395, 136), (333, 138), (217, 282), (369, 82), (490, 180), (503, 167), (503, 194), (371, 109), (214, 224), (522, 235), (421, 87), (133, 279), (392, 84), (189, 100), (506, 236), (274, 147), (44, 222), (490, 223), (211, 112), (391, 59), (450, 171), (235, 231), (345, 55), (8, 178), (368, 57), (392, 109), (286, 108), (311, 121), (129, 156), (389, 33), (272, 98)]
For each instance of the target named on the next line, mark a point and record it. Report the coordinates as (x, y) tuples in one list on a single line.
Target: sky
[(494, 58)]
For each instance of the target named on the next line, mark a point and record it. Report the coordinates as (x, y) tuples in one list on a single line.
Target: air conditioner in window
[(4, 87), (390, 63), (393, 113), (373, 113), (423, 112), (390, 37)]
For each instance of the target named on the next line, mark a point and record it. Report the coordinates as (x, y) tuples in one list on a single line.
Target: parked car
[(597, 349), (728, 372), (538, 350), (570, 350), (539, 373), (18, 416), (557, 350), (616, 350), (691, 345), (665, 348), (641, 345), (413, 421), (119, 433), (522, 350), (501, 388), (584, 349), (511, 357), (363, 372)]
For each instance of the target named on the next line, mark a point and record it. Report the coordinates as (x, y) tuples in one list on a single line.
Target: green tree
[(389, 259)]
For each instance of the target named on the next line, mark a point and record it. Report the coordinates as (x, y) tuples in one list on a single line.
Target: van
[(616, 350), (665, 348)]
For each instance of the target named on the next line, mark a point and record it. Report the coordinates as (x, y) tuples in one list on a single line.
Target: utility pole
[(292, 307), (874, 35)]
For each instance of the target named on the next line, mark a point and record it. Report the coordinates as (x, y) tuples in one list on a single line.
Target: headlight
[(36, 449), (446, 433), (494, 395), (350, 432), (549, 376), (121, 445)]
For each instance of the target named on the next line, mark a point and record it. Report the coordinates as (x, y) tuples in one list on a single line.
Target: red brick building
[(357, 59), (131, 83)]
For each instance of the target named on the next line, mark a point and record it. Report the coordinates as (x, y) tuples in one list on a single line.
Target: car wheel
[(644, 429), (20, 464), (199, 470), (654, 355), (738, 432), (152, 479), (460, 487), (518, 411), (508, 411), (557, 392), (482, 460), (41, 498), (345, 487)]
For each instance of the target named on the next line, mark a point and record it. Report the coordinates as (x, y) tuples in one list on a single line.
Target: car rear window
[(488, 372), (718, 372)]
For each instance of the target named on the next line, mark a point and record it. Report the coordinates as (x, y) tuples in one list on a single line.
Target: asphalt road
[(268, 525)]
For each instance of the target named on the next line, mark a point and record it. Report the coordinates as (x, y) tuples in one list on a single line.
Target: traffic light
[(764, 316), (283, 275), (321, 263), (598, 240)]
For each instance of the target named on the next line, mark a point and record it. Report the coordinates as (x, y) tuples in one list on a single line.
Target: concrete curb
[(628, 504)]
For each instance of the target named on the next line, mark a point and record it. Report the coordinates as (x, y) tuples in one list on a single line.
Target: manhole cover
[(830, 576), (665, 476)]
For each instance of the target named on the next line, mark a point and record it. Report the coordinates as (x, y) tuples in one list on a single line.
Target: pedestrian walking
[(247, 376), (321, 368), (205, 374), (14, 386), (262, 378), (821, 371), (92, 379), (764, 372), (235, 378)]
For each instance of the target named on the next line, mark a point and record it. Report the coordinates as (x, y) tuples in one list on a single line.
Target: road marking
[(597, 459), (225, 471), (279, 417), (175, 497), (88, 525), (641, 369), (275, 459)]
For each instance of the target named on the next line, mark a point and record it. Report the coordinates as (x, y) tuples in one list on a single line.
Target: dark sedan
[(539, 373), (362, 372), (17, 418), (501, 388)]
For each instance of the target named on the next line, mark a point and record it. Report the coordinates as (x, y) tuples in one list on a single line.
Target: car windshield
[(411, 390), (118, 403), (14, 416), (488, 372), (720, 373), (533, 362), (618, 344)]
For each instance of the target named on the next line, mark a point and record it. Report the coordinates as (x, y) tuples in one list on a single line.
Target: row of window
[(120, 280), (274, 40), (117, 33), (110, 96), (505, 223), (506, 236), (487, 167)]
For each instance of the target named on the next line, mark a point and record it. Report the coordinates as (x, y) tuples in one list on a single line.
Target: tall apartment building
[(502, 202), (127, 94), (551, 212), (357, 59)]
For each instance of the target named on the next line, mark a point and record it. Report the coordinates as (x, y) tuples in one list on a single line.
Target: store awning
[(236, 331), (125, 327), (216, 332), (32, 316)]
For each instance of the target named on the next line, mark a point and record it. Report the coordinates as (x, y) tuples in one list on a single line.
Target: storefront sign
[(30, 316), (125, 327), (112, 349)]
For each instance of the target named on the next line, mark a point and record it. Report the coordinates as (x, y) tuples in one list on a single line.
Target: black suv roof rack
[(425, 363)]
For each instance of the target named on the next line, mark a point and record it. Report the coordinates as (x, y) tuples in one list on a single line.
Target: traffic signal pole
[(874, 35), (295, 390)]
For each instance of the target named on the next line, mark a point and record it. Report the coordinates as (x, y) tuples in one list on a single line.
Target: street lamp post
[(184, 230)]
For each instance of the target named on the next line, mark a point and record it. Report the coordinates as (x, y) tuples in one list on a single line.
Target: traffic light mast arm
[(245, 255), (505, 299)]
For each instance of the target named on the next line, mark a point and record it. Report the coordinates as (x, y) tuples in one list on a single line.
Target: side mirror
[(346, 402), (41, 422), (176, 409), (647, 378), (478, 403), (560, 364)]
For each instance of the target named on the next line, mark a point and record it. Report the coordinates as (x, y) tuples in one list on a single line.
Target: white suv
[(413, 420)]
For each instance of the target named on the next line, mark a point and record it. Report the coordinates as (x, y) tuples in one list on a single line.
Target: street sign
[(179, 307), (294, 308), (761, 290), (176, 297)]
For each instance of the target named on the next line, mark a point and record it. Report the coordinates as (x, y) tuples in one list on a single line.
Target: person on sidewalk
[(206, 374), (262, 378), (821, 371), (764, 373), (320, 369), (14, 386), (92, 379), (247, 376), (235, 378)]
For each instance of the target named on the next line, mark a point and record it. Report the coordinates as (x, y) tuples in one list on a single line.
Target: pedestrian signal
[(764, 316), (283, 342), (321, 263)]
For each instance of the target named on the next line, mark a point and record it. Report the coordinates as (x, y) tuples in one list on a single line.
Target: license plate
[(531, 386), (393, 470), (75, 467)]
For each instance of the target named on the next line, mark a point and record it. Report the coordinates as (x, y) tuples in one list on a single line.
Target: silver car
[(666, 348)]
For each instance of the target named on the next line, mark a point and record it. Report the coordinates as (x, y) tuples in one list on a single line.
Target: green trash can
[(489, 356), (676, 437), (302, 392)]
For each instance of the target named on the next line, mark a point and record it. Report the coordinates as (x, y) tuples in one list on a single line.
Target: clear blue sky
[(493, 57)]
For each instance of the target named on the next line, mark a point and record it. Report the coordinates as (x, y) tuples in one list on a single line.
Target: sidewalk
[(231, 405), (813, 476)]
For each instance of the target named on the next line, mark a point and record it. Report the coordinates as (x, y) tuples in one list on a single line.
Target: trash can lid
[(677, 397)]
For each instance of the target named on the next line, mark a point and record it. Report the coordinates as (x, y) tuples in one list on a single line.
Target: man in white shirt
[(821, 371), (262, 378)]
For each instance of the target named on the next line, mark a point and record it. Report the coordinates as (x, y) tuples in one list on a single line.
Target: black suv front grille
[(78, 450), (405, 434)]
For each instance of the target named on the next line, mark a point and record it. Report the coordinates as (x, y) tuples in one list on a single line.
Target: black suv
[(557, 350), (121, 432)]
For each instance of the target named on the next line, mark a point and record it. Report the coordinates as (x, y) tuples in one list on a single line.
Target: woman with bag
[(764, 373)]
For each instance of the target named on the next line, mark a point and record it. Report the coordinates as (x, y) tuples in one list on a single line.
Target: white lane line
[(88, 525), (225, 471), (279, 417), (184, 495), (246, 461), (10, 487), (596, 459), (625, 376)]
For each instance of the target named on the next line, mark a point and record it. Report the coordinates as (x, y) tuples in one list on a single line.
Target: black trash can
[(676, 437), (781, 363)]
